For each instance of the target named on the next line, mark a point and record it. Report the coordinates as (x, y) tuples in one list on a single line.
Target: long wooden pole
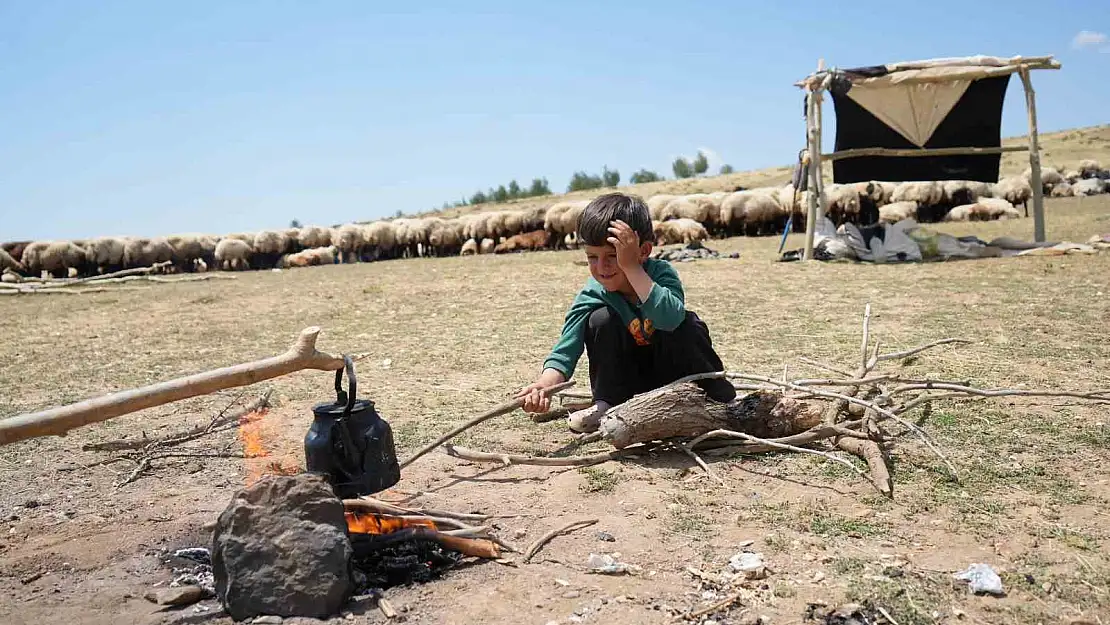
[(1034, 157), (58, 421), (501, 409), (818, 163), (913, 152), (811, 207)]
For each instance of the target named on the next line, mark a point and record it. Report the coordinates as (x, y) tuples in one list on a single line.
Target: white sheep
[(681, 230), (925, 193), (897, 211), (754, 213), (657, 203), (141, 252), (1089, 168), (842, 203), (469, 248), (986, 209), (313, 236), (1064, 189), (8, 263), (233, 254), (487, 246), (106, 253), (1015, 190), (348, 240), (311, 257)]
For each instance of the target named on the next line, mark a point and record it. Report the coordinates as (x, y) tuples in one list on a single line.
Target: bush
[(581, 181), (611, 178), (539, 187), (682, 168), (514, 190), (726, 169), (643, 176), (701, 164)]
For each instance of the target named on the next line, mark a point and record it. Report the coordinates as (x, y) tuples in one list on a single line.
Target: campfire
[(391, 551)]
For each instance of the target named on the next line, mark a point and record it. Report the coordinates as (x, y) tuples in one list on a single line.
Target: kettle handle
[(348, 397)]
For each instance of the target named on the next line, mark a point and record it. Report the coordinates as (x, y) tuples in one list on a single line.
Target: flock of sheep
[(677, 219)]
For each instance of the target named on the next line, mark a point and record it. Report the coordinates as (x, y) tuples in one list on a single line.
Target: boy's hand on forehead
[(627, 243)]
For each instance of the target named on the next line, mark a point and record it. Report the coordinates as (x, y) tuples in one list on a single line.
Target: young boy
[(630, 317)]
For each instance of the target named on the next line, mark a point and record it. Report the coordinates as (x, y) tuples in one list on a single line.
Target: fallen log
[(58, 421), (683, 410)]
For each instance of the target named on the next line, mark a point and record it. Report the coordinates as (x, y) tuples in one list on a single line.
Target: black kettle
[(350, 444)]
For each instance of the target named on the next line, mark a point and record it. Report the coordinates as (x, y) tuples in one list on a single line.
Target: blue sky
[(147, 118)]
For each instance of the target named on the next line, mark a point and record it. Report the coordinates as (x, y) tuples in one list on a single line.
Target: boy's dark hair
[(594, 224)]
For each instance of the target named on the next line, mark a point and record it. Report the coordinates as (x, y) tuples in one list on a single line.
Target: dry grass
[(1063, 149), (460, 334)]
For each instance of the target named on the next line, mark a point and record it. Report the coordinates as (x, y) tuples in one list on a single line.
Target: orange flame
[(254, 447), (371, 523)]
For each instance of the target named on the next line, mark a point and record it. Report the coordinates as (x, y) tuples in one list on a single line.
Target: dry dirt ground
[(448, 338)]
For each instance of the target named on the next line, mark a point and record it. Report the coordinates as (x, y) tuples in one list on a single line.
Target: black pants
[(620, 368)]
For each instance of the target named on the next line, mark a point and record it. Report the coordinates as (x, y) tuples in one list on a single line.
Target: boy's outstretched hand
[(534, 398), (627, 243)]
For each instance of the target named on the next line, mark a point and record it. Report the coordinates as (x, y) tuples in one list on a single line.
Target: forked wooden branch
[(58, 421)]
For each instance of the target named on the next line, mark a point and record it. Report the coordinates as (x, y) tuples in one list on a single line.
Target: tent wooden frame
[(930, 70)]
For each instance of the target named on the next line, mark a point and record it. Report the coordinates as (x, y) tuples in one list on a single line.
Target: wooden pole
[(915, 152), (818, 163), (58, 421), (1034, 157), (811, 206)]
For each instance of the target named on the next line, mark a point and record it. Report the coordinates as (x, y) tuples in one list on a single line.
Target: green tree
[(500, 194), (539, 187), (296, 223), (582, 181), (643, 176), (726, 169), (479, 198), (682, 168), (514, 190), (701, 164), (610, 177)]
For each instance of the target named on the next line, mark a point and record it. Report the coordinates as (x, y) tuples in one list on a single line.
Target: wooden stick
[(137, 271), (58, 421), (1097, 395), (389, 508), (866, 336), (723, 603), (749, 437), (1034, 157), (387, 511), (917, 350), (701, 463), (174, 439), (821, 365), (463, 453), (914, 152), (870, 452), (534, 548), (812, 435), (496, 411)]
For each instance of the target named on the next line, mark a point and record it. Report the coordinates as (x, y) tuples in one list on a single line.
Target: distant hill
[(1063, 148)]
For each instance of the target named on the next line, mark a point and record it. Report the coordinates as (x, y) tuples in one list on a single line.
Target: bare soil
[(448, 338)]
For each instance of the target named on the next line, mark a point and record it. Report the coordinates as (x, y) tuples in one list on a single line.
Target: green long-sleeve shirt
[(664, 309)]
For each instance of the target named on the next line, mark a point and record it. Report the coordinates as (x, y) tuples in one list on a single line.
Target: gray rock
[(268, 620), (606, 537), (281, 548)]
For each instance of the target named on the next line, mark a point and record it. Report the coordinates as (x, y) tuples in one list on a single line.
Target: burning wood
[(373, 530), (369, 523)]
